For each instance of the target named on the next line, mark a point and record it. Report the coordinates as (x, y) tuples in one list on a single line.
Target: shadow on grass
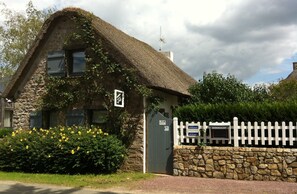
[(28, 189)]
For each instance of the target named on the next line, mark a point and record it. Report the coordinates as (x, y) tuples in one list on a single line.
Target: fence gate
[(160, 144)]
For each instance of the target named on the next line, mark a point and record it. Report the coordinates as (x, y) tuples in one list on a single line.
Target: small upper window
[(78, 62), (56, 63)]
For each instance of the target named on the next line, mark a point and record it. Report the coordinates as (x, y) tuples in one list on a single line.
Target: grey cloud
[(253, 36), (256, 20)]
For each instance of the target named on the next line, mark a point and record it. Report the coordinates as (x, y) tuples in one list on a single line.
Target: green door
[(160, 144)]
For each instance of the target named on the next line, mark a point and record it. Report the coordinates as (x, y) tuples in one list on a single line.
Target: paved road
[(11, 187), (162, 185)]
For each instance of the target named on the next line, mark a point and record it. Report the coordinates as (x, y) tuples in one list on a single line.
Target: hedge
[(266, 111), (5, 131), (61, 150)]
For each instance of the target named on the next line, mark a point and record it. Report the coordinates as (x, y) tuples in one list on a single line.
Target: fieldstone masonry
[(269, 164)]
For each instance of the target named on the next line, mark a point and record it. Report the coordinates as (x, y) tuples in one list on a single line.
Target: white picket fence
[(239, 134)]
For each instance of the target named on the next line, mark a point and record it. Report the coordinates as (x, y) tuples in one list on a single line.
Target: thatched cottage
[(55, 54)]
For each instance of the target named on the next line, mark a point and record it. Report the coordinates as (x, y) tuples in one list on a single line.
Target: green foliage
[(75, 150), (261, 93), (61, 92), (285, 90), (5, 131), (245, 111), (17, 34), (215, 88), (154, 103)]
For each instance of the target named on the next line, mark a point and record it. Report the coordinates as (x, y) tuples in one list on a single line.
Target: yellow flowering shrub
[(63, 150)]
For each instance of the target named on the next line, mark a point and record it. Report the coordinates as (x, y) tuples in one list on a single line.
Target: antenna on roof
[(162, 39)]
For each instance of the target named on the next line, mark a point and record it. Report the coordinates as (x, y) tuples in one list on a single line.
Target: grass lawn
[(92, 181)]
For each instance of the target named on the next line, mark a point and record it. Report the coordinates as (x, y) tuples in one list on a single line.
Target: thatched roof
[(155, 69), (293, 74)]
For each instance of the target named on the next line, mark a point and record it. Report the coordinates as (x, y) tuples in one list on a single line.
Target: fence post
[(175, 131), (283, 133), (235, 128)]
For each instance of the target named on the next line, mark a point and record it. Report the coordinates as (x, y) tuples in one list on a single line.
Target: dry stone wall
[(269, 164)]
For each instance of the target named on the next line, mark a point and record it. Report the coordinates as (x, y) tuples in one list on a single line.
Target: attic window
[(78, 62), (56, 63)]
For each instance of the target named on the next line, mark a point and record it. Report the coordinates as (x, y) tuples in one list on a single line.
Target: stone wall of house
[(269, 164), (30, 93), (134, 160), (134, 127)]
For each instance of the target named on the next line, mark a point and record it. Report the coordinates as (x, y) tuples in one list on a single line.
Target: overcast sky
[(255, 40)]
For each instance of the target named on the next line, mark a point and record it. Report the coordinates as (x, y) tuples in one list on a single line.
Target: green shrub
[(61, 150), (215, 87), (249, 111), (5, 131)]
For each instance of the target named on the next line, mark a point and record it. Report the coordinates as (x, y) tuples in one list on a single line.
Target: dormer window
[(78, 62), (56, 63)]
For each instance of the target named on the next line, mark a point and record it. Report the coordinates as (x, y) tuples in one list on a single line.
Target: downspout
[(144, 135)]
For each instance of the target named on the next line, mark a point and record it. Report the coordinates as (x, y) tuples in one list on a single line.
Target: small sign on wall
[(166, 128), (192, 130), (118, 98)]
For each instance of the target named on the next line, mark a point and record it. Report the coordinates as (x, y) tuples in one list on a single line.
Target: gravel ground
[(161, 185), (173, 184)]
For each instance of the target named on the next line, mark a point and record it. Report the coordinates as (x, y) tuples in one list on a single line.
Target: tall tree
[(17, 34), (284, 90), (215, 88)]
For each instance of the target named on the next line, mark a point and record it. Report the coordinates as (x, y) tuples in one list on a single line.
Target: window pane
[(99, 116), (75, 117), (79, 62), (7, 118), (35, 120), (55, 63), (53, 119)]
